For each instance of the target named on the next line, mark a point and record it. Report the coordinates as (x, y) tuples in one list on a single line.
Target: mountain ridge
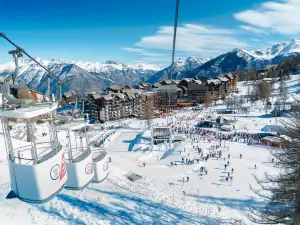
[(99, 75)]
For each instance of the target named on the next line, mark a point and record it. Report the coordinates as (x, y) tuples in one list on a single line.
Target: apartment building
[(166, 96), (197, 92)]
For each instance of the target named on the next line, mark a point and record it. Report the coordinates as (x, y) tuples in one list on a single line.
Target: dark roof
[(189, 80), (197, 87), (157, 85), (223, 79), (197, 81), (164, 88), (93, 90), (96, 96)]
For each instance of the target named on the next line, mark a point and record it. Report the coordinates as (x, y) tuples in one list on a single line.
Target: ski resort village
[(189, 151), (160, 137)]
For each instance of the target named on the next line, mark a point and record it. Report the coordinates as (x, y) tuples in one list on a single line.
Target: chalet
[(140, 87), (185, 82), (114, 89), (169, 82), (125, 87), (156, 85)]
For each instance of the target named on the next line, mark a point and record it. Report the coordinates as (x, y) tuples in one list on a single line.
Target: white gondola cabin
[(80, 166), (38, 170), (95, 140)]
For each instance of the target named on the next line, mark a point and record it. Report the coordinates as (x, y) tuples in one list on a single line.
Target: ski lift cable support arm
[(41, 65)]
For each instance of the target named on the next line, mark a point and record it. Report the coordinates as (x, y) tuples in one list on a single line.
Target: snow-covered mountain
[(283, 49), (78, 74), (241, 59), (99, 67), (180, 67)]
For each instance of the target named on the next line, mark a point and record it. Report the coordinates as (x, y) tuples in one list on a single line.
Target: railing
[(45, 151)]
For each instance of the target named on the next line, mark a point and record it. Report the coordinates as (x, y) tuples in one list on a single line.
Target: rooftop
[(197, 87), (114, 87), (164, 88), (30, 112)]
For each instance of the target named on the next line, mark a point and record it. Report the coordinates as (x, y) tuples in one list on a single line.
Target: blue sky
[(141, 30)]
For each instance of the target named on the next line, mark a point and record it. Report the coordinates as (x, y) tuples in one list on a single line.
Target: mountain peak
[(113, 62)]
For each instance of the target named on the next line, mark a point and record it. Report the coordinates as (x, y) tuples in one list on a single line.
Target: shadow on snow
[(234, 203), (125, 209)]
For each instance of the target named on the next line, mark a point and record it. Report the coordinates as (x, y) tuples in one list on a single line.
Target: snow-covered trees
[(281, 189), (283, 92)]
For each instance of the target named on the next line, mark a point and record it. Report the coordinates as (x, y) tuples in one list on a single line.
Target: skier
[(241, 156), (227, 163), (187, 179), (206, 171), (171, 163), (272, 160), (225, 166), (255, 167), (232, 170), (228, 156), (144, 164)]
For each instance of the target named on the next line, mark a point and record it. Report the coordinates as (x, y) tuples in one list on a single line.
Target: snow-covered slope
[(283, 49), (99, 67), (241, 59)]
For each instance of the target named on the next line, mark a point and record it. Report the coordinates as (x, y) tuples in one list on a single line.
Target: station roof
[(30, 112), (71, 126)]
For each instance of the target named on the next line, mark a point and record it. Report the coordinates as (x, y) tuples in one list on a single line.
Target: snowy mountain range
[(85, 75), (79, 75), (93, 74), (241, 59)]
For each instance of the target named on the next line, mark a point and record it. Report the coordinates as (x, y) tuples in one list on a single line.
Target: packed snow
[(157, 197), (195, 190)]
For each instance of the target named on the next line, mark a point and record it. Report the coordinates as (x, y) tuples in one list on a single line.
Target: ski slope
[(158, 197)]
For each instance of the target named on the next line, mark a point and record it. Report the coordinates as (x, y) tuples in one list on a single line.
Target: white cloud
[(143, 52), (283, 17), (191, 39), (253, 29)]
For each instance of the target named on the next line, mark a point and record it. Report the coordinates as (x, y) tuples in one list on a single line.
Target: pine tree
[(207, 99), (264, 90), (281, 190), (24, 93), (283, 92)]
